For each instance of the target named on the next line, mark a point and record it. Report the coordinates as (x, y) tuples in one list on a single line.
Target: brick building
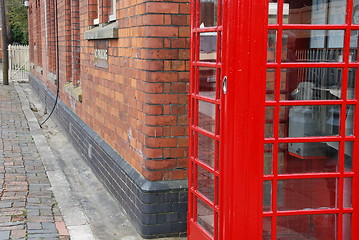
[(120, 69), (0, 43)]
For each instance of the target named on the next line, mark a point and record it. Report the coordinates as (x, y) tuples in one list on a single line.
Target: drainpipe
[(5, 54)]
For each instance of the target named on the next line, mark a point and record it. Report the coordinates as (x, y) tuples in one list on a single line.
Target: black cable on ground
[(57, 66)]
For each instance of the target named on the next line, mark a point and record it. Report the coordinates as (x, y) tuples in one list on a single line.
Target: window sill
[(112, 18), (73, 91), (109, 31)]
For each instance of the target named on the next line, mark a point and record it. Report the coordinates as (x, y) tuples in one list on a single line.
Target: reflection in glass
[(207, 116), (209, 13), (283, 122), (312, 83), (347, 195), (348, 153), (206, 150), (353, 54), (272, 43), (305, 194), (355, 12), (205, 183), (347, 226), (207, 82), (267, 196), (268, 159), (354, 45), (349, 120), (312, 157), (270, 83), (208, 47), (269, 122), (205, 216), (304, 46), (313, 121), (283, 83), (352, 74), (267, 228), (282, 157), (273, 12), (321, 226), (316, 12)]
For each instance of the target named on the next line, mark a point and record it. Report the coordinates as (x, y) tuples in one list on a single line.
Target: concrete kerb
[(70, 207)]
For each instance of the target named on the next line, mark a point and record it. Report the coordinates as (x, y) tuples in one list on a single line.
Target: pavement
[(28, 209), (47, 191)]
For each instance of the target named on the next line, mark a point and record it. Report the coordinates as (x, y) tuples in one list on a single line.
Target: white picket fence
[(19, 62)]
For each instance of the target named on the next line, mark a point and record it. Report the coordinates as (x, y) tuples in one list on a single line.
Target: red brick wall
[(75, 42), (51, 35), (0, 43), (39, 31), (139, 103)]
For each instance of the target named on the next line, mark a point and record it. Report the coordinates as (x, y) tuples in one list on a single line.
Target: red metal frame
[(238, 177), (195, 230)]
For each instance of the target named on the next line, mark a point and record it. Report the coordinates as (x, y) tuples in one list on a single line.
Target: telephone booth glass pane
[(304, 194), (207, 116), (267, 228), (268, 159), (267, 196), (206, 150), (205, 216), (207, 82), (321, 226), (208, 47), (347, 194), (310, 119), (308, 157), (272, 45), (269, 122), (347, 226), (209, 16), (205, 183), (348, 160), (313, 84), (330, 50)]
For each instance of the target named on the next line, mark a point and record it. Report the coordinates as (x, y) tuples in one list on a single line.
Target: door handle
[(224, 85)]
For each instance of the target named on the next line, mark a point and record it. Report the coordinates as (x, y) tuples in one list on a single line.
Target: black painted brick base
[(157, 209)]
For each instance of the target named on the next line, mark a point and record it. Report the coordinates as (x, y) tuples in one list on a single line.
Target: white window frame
[(96, 21), (112, 17)]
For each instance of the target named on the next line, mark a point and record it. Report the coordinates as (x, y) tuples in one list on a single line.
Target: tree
[(17, 15)]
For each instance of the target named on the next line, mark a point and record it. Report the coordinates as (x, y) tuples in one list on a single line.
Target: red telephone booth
[(273, 120)]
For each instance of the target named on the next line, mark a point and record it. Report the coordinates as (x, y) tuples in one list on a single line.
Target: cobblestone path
[(28, 209)]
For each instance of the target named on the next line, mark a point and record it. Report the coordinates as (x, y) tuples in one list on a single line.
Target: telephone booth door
[(273, 120)]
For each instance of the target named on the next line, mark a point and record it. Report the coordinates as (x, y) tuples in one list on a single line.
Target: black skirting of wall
[(157, 209)]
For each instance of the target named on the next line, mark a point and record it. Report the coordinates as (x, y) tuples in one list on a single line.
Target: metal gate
[(19, 62)]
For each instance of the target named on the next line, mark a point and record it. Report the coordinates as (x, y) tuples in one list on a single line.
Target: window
[(112, 13), (106, 11), (102, 16), (96, 21)]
